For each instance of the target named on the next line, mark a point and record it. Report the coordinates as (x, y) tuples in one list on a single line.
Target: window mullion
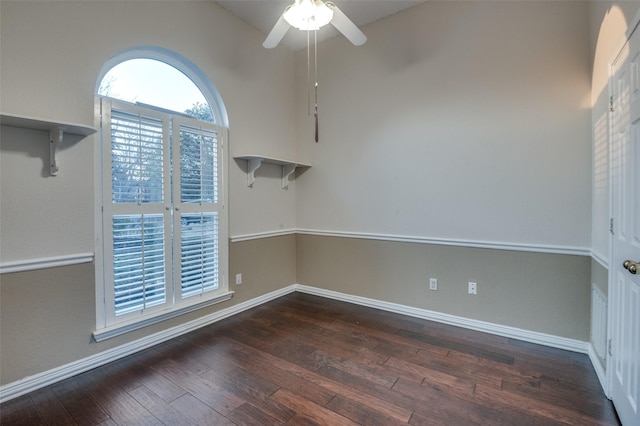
[(169, 212)]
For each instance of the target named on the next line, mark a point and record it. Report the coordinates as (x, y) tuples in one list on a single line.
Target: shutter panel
[(198, 165), (136, 158), (197, 198), (199, 253), (137, 224), (138, 262)]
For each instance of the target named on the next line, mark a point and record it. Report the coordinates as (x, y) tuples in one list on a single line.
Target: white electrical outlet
[(473, 287), (238, 279), (433, 284)]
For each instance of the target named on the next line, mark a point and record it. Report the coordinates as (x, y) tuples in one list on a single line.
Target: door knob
[(631, 266)]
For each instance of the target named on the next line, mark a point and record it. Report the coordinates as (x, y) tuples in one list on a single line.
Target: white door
[(624, 367)]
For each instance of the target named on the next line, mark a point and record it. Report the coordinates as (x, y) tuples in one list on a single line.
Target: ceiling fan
[(311, 15)]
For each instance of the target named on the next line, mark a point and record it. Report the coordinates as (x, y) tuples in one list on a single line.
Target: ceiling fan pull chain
[(315, 72), (308, 75)]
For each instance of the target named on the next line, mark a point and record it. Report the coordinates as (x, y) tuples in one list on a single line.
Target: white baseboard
[(486, 327), (37, 381)]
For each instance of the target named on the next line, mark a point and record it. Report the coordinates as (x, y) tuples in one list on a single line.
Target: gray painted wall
[(541, 292), (457, 120), (47, 316)]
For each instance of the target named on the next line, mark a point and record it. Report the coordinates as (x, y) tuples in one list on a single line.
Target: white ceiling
[(263, 14)]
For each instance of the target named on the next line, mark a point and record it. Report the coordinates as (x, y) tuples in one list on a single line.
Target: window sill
[(125, 327)]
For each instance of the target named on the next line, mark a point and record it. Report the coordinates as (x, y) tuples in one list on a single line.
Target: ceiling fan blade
[(277, 33), (346, 27)]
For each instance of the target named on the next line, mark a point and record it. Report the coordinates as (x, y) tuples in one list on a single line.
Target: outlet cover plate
[(433, 284)]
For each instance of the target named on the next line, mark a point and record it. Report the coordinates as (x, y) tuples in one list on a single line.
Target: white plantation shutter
[(197, 193), (164, 227)]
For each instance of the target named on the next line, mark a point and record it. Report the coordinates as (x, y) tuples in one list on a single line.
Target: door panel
[(625, 286)]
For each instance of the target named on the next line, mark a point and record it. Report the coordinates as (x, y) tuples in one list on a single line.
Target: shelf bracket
[(55, 139), (253, 164), (287, 170)]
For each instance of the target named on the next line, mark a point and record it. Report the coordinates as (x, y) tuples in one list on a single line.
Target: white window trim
[(131, 325), (214, 99)]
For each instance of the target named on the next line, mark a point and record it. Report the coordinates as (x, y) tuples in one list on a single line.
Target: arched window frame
[(180, 63), (105, 329)]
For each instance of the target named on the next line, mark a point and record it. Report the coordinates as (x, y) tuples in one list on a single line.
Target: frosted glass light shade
[(308, 14)]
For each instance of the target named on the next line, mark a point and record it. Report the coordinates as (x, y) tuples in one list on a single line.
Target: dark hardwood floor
[(306, 360)]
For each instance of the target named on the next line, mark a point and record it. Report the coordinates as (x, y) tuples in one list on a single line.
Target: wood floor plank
[(350, 344), (78, 403), (484, 394), (333, 386), (465, 348), (582, 403), (470, 371), (395, 339), (306, 360), (19, 412), (314, 412), (156, 382), (371, 372), (494, 368), (166, 413), (211, 394), (447, 383), (251, 388), (360, 413), (442, 408), (260, 364), (250, 415), (50, 408), (109, 390), (340, 341), (199, 413)]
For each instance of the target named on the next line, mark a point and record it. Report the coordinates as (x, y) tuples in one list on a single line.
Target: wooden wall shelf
[(255, 161), (56, 130)]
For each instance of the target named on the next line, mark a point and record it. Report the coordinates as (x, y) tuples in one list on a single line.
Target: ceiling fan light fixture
[(308, 15)]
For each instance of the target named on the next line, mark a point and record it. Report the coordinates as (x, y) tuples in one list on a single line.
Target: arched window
[(164, 219), (157, 76), (152, 82)]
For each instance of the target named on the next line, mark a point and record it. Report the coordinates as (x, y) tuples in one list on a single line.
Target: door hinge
[(611, 226), (611, 108), (609, 348)]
